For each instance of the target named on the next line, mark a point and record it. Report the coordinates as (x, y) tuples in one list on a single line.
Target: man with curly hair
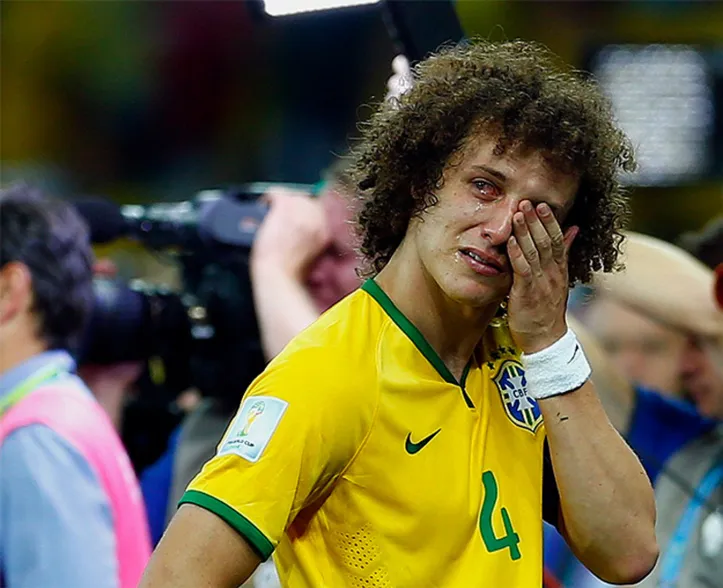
[(418, 432)]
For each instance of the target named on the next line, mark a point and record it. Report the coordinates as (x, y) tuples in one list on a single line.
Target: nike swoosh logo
[(413, 448), (574, 353)]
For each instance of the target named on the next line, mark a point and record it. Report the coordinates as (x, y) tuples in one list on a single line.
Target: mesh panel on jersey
[(360, 557), (378, 579)]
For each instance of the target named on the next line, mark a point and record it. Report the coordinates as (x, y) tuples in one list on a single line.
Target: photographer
[(305, 254), (303, 261), (70, 509), (110, 383)]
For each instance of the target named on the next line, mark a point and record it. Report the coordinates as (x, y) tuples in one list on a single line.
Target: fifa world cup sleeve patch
[(253, 427)]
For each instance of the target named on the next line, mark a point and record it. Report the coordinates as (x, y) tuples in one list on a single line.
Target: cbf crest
[(522, 409)]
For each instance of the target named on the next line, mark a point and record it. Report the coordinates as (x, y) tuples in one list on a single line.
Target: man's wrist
[(557, 369), (545, 340)]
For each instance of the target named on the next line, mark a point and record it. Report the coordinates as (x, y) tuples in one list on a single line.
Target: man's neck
[(13, 353), (452, 329)]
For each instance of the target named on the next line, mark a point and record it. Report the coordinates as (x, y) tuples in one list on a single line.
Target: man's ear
[(719, 286), (16, 290)]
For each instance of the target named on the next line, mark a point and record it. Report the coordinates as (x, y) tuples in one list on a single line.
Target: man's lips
[(483, 263)]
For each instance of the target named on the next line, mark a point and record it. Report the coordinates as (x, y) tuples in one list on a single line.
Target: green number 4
[(491, 541)]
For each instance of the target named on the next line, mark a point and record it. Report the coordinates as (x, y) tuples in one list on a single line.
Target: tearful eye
[(486, 188)]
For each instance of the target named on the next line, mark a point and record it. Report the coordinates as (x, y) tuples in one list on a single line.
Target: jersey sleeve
[(298, 427)]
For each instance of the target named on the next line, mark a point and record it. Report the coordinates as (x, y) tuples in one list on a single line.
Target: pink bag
[(80, 420)]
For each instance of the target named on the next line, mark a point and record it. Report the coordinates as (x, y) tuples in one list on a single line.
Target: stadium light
[(284, 7)]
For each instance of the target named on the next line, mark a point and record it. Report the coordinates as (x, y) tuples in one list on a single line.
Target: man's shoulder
[(31, 437), (35, 451), (356, 314), (64, 405), (338, 344), (332, 361)]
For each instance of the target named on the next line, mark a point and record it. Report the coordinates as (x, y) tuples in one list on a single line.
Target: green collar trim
[(375, 291)]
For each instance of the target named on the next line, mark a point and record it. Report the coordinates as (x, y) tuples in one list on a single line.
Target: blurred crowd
[(75, 510)]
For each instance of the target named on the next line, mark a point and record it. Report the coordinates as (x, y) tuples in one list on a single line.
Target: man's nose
[(690, 358), (497, 226)]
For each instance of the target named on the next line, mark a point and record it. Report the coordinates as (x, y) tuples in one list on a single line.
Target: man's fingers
[(520, 266), (541, 239), (525, 242), (557, 239)]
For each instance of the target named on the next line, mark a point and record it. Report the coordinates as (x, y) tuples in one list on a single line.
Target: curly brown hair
[(515, 91)]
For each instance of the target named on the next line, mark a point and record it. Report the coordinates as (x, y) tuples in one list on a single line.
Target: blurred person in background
[(689, 491), (645, 351), (672, 287), (680, 447), (306, 254), (71, 513), (702, 364), (303, 261)]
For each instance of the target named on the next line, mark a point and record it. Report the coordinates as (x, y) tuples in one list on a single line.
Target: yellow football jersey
[(359, 460)]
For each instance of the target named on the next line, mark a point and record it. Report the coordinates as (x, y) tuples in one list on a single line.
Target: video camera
[(204, 336)]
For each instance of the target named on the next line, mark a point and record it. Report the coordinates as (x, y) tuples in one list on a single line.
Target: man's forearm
[(665, 283), (616, 393), (607, 503), (199, 549), (283, 307)]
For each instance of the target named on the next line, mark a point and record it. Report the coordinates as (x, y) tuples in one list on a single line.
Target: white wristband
[(557, 369)]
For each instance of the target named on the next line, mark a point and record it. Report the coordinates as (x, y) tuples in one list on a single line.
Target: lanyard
[(672, 562), (48, 372)]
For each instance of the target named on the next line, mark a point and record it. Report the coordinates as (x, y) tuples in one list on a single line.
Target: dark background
[(155, 100)]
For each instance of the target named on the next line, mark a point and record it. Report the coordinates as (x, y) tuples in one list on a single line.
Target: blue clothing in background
[(156, 482), (56, 527), (659, 427)]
